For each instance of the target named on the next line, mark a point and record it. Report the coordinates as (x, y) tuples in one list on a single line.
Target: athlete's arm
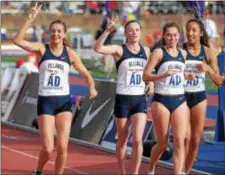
[(184, 53), (223, 79), (148, 52), (187, 75), (19, 39), (114, 50), (155, 58), (212, 67), (149, 90), (78, 65)]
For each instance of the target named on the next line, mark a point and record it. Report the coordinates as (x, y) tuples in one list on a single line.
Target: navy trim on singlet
[(48, 55), (200, 57), (167, 57), (127, 54)]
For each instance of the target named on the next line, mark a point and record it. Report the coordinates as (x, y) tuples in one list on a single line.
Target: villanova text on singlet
[(129, 72), (174, 84), (53, 74), (198, 84)]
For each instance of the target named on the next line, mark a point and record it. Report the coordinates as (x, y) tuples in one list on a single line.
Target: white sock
[(151, 172)]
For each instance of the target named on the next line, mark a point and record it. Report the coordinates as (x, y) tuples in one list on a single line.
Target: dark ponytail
[(66, 43)]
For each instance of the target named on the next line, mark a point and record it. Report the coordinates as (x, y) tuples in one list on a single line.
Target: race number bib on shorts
[(134, 78)]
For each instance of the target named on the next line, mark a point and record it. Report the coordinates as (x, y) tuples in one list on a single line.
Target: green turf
[(11, 59), (95, 71), (209, 84)]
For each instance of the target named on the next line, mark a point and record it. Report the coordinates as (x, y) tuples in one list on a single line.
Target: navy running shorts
[(170, 102), (53, 105), (194, 98), (128, 105)]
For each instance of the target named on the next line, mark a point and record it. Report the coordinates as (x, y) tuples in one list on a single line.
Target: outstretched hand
[(149, 90), (34, 11), (202, 67), (92, 93), (111, 26), (190, 75), (171, 72)]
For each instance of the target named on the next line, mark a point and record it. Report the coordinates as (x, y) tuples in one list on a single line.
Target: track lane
[(20, 152)]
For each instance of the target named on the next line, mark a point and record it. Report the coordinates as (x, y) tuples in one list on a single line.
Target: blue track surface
[(211, 158)]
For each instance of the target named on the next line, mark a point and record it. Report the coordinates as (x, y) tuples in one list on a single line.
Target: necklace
[(134, 49)]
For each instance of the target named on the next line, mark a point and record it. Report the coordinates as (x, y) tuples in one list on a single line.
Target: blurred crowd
[(82, 7), (127, 10)]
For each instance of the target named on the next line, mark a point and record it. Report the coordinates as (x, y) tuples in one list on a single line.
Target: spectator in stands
[(92, 6), (130, 100), (34, 34), (45, 5), (216, 45), (31, 64), (149, 41), (131, 7), (39, 32), (157, 39), (3, 34), (111, 6), (153, 41), (54, 105), (210, 25), (19, 62), (45, 35)]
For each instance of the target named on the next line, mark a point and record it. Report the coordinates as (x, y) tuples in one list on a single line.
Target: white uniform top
[(53, 74), (198, 84), (129, 72), (171, 85)]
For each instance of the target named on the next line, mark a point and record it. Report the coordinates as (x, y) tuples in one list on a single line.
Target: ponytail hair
[(58, 21), (66, 43)]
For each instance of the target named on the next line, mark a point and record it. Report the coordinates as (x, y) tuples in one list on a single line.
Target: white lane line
[(34, 157)]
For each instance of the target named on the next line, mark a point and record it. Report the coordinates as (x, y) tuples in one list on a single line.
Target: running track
[(20, 152)]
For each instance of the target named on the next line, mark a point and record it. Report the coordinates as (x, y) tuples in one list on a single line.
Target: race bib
[(134, 78), (198, 81), (175, 80), (53, 79)]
